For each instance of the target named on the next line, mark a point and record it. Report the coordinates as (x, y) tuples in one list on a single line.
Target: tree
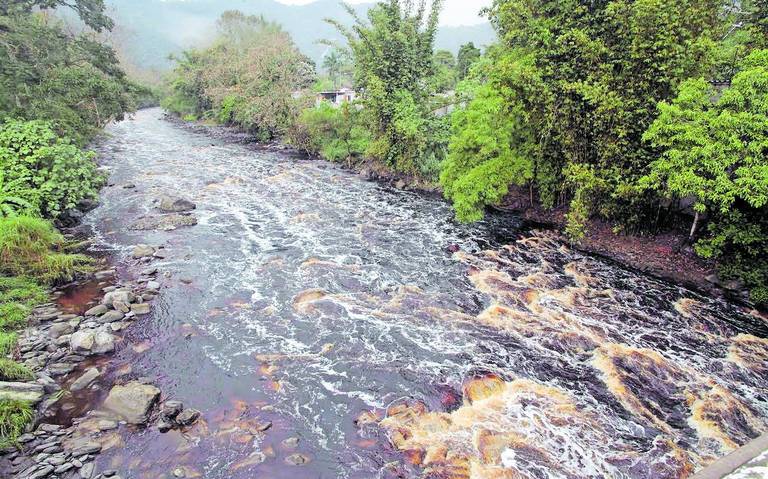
[(337, 65), (716, 152), (445, 71), (393, 55), (468, 55), (91, 12)]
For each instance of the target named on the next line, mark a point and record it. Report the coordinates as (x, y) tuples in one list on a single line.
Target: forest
[(641, 114)]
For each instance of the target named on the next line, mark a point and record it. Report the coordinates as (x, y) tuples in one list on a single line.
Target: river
[(393, 342)]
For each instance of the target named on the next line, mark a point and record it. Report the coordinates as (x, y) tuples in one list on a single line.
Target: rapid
[(358, 331)]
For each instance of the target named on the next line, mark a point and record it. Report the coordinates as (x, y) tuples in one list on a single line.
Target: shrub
[(336, 134), (14, 416), (32, 247), (46, 171), (13, 371)]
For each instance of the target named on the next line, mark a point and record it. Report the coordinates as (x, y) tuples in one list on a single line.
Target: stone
[(297, 460), (60, 369), (121, 295), (164, 425), (163, 223), (85, 380), (141, 308), (153, 285), (132, 402), (97, 310), (63, 468), (29, 392), (170, 204), (187, 417), (171, 409), (41, 473), (109, 473), (103, 343), (86, 472), (112, 316), (291, 442), (121, 307), (60, 329), (84, 446), (142, 251), (106, 425)]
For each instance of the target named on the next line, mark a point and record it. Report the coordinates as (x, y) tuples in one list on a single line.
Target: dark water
[(306, 297)]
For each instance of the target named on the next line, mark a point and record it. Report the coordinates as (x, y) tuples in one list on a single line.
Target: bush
[(47, 172), (334, 133), (14, 416), (32, 247)]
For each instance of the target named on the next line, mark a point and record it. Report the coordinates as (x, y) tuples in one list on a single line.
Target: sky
[(455, 12)]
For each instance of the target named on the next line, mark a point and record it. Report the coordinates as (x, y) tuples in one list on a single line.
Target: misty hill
[(150, 30)]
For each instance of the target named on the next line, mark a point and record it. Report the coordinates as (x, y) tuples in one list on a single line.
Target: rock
[(97, 310), (106, 425), (297, 460), (187, 417), (87, 204), (171, 409), (132, 402), (143, 251), (85, 380), (164, 425), (129, 186), (41, 473), (153, 285), (60, 329), (63, 468), (400, 184), (86, 472), (178, 472), (291, 443), (103, 343), (109, 473), (170, 204), (84, 446), (29, 392), (60, 369), (112, 316), (82, 341), (141, 308), (163, 223), (121, 295), (121, 307)]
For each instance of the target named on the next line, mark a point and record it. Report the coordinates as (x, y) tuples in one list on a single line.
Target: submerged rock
[(164, 223), (132, 402), (143, 251), (171, 204), (85, 380), (187, 417)]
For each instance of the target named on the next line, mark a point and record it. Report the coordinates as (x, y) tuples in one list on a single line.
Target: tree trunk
[(693, 227)]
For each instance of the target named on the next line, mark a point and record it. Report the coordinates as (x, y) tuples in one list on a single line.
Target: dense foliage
[(394, 63), (251, 77), (336, 134)]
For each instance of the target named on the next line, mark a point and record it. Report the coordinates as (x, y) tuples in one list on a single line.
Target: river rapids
[(392, 342)]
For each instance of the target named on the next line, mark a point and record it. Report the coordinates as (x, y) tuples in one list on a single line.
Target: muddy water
[(392, 342)]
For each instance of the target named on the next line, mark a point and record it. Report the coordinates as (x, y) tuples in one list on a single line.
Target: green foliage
[(14, 417), (32, 247), (468, 55), (51, 74), (16, 197), (7, 342), (338, 65), (394, 66), (445, 75), (334, 133), (247, 78), (13, 371), (46, 174)]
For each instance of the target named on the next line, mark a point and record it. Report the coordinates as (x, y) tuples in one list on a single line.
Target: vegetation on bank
[(642, 114), (57, 90)]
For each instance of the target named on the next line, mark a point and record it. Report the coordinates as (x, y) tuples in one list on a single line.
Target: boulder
[(132, 402), (82, 341), (171, 409), (141, 308), (60, 329), (187, 417), (32, 393), (143, 251), (112, 316), (97, 310), (103, 343), (85, 380), (121, 295), (170, 204)]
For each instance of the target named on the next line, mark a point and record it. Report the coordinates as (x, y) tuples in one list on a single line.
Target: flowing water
[(394, 342)]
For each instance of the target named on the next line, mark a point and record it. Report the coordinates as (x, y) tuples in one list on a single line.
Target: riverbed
[(331, 327)]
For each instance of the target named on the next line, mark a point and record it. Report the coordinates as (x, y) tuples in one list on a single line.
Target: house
[(337, 97)]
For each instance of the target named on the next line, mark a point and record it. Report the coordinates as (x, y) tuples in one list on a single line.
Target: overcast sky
[(455, 12)]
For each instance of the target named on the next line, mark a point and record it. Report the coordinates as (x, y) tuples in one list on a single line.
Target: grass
[(32, 247), (8, 342), (14, 417), (10, 370)]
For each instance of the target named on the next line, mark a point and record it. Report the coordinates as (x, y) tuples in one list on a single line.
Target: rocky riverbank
[(66, 349)]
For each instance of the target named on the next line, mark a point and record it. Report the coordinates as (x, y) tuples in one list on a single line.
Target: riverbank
[(659, 255)]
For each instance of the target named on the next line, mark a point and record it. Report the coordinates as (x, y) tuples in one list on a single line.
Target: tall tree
[(393, 53), (468, 55), (91, 12)]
